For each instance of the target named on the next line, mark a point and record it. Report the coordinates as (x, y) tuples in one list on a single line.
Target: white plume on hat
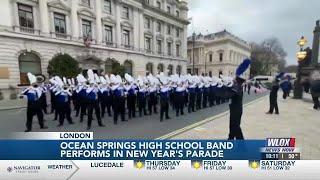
[(90, 76), (69, 81), (128, 78), (32, 78), (113, 79), (59, 81), (81, 79), (103, 80), (96, 78), (107, 79)]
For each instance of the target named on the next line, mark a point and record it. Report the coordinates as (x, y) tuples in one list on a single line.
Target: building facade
[(143, 35), (217, 53)]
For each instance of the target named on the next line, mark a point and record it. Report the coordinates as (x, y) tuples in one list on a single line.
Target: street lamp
[(301, 55)]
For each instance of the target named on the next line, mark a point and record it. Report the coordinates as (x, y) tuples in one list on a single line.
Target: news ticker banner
[(78, 155)]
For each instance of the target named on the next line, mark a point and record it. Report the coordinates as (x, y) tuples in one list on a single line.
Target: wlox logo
[(281, 142)]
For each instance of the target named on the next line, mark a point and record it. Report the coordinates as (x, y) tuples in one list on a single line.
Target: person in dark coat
[(315, 89), (273, 97)]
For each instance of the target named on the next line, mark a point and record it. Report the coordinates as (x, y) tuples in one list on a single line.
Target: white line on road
[(187, 128)]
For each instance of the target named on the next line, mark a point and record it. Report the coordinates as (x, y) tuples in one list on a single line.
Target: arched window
[(28, 62), (149, 68), (128, 67), (108, 66), (220, 72), (160, 68), (170, 70), (178, 70), (210, 73)]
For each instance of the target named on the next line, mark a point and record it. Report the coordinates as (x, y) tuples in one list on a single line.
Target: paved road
[(147, 127)]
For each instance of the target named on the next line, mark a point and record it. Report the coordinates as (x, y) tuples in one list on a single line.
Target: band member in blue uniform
[(63, 98), (164, 95), (142, 99), (105, 97), (152, 99), (179, 98), (118, 93), (93, 104), (205, 94), (33, 94), (234, 91), (199, 92), (43, 99), (192, 96)]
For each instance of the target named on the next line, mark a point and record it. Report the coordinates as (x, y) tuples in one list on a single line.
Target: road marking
[(192, 126)]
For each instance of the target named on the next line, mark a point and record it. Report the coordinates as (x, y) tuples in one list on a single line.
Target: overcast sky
[(256, 20)]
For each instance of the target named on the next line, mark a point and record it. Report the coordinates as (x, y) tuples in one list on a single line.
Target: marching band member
[(63, 99), (82, 95), (233, 89), (199, 92), (180, 97), (93, 100), (105, 96), (142, 97), (164, 98), (205, 93), (33, 94), (192, 94), (118, 98), (274, 95), (152, 95), (131, 90)]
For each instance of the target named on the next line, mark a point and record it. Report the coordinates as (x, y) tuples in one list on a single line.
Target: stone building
[(217, 53), (143, 35)]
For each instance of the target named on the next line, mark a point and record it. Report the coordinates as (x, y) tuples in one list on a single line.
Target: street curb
[(11, 108), (192, 126)]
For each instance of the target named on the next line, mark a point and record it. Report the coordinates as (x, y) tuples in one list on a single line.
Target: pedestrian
[(274, 96)]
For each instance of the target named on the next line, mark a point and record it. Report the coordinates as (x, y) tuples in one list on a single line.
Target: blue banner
[(130, 150)]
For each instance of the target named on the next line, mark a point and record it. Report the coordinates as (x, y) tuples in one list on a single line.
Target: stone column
[(141, 30), (74, 20), (98, 22), (44, 20), (118, 23), (136, 29)]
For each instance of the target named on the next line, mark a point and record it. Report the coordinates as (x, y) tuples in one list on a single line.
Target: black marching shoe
[(27, 130), (88, 128), (59, 125)]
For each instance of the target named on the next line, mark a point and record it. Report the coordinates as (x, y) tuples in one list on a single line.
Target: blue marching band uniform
[(95, 94)]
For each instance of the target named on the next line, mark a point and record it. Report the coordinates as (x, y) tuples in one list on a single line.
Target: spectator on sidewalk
[(273, 97)]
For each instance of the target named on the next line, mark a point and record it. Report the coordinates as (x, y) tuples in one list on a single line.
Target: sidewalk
[(297, 119), (8, 104)]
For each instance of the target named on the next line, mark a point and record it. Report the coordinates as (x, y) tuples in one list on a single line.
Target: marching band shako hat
[(242, 68), (32, 78)]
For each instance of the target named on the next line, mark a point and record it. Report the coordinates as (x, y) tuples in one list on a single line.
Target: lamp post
[(301, 55), (193, 42)]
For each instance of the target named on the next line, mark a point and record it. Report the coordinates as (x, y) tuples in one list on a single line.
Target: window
[(178, 50), (59, 23), (178, 70), (169, 9), (210, 57), (28, 62), (170, 70), (147, 23), (160, 68), (158, 4), (86, 28), (107, 6), (168, 29), (25, 16), (210, 73), (169, 48), (108, 36), (158, 26), (126, 37), (159, 46), (85, 2), (148, 44), (149, 68), (128, 67), (125, 12), (177, 13), (221, 57), (177, 32)]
